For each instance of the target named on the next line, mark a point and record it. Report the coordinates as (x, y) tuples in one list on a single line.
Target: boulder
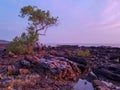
[(12, 70), (79, 60), (5, 82), (111, 71), (24, 71), (11, 54), (58, 68), (102, 88), (25, 63), (98, 85)]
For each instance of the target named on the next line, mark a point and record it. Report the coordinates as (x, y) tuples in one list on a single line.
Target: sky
[(80, 21)]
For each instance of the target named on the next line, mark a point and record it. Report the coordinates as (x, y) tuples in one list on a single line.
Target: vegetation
[(82, 53), (38, 20), (23, 44)]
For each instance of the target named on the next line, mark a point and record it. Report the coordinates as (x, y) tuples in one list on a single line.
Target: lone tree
[(38, 20)]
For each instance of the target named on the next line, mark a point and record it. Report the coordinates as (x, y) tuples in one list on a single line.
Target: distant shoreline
[(116, 45), (86, 45)]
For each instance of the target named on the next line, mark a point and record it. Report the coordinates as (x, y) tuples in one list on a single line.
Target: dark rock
[(91, 76), (11, 54), (99, 85), (82, 67), (24, 71), (59, 68), (12, 70), (110, 71), (78, 60), (2, 71), (5, 82), (32, 59), (25, 63), (102, 88), (115, 58)]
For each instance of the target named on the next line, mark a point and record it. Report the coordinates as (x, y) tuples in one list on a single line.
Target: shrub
[(24, 43), (82, 53)]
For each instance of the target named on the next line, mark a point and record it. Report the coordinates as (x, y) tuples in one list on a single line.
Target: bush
[(82, 53), (23, 44)]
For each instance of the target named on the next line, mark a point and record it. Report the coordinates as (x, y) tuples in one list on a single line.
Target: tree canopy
[(38, 19)]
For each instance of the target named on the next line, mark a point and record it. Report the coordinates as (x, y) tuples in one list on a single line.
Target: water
[(83, 85), (85, 44)]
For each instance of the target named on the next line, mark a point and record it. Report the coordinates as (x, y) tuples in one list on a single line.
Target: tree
[(38, 19)]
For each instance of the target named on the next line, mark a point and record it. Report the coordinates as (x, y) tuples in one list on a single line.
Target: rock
[(99, 85), (24, 71), (28, 57), (115, 57), (78, 60), (59, 68), (25, 63), (11, 70), (26, 82), (11, 54), (53, 52), (5, 82), (102, 88), (35, 59), (111, 71), (32, 59), (109, 84), (91, 76), (82, 67), (3, 53), (118, 88), (68, 52), (2, 71)]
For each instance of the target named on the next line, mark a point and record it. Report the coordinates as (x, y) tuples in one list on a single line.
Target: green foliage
[(82, 53), (39, 19), (24, 43)]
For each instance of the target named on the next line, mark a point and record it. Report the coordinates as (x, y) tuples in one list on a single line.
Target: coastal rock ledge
[(58, 68)]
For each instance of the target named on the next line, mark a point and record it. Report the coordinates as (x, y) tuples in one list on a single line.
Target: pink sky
[(80, 21)]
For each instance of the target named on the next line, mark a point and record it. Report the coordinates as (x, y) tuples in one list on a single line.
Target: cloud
[(110, 16)]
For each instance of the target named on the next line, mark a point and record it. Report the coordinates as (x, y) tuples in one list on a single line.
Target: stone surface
[(25, 63), (98, 85), (11, 54), (24, 71), (56, 68), (5, 82), (11, 70), (102, 88), (61, 68), (111, 71)]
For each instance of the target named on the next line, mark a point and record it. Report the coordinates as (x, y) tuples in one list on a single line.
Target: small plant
[(82, 53), (24, 43)]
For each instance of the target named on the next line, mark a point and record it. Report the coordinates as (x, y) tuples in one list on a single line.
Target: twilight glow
[(80, 21)]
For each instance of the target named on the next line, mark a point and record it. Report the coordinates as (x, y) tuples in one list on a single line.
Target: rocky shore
[(61, 68)]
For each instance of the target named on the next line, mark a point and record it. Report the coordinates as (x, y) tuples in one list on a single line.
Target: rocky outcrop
[(58, 68), (19, 83), (111, 71), (98, 85)]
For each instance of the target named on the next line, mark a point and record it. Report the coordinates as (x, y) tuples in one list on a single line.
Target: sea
[(84, 44)]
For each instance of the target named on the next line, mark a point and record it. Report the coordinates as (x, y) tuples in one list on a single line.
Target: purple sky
[(80, 21)]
